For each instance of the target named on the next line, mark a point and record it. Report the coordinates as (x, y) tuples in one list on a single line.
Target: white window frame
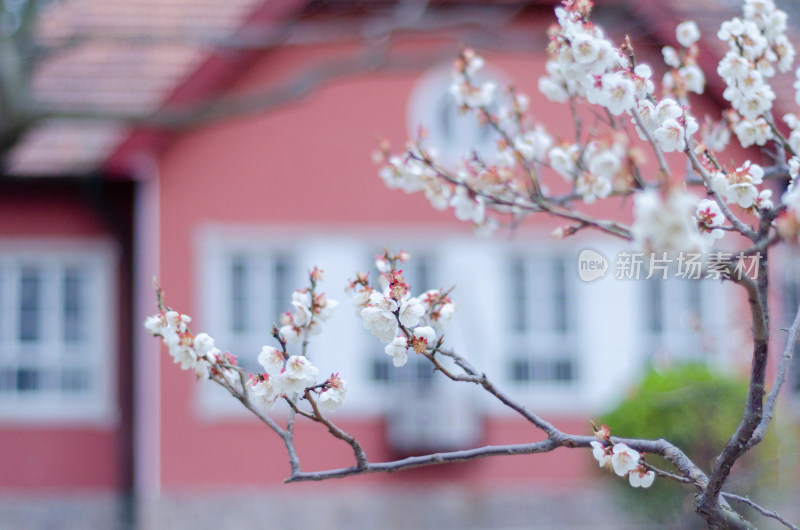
[(98, 258), (537, 342)]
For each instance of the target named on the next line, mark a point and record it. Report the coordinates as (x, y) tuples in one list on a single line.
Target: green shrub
[(697, 411)]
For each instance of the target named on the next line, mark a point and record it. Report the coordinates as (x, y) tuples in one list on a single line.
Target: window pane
[(74, 305), (282, 288), (519, 313), (564, 370), (424, 370), (655, 318), (520, 370), (381, 369), (30, 304), (29, 379), (7, 380), (559, 283), (239, 286), (74, 380)]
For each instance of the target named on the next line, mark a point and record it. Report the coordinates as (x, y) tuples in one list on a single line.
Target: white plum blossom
[(794, 168), (751, 104), (585, 48), (202, 368), (466, 206), (553, 88), (600, 454), (687, 33), (411, 310), (733, 67), (533, 145), (424, 337), (379, 317), (666, 224), (324, 308), (463, 88), (361, 299), (605, 162), (593, 187), (156, 324), (298, 374), (178, 321), (666, 109), (271, 359), (641, 477), (203, 344), (764, 200), (441, 320), (739, 185), (642, 80), (563, 160), (184, 355), (291, 333), (173, 328), (671, 57), (709, 219), (266, 389), (333, 396), (753, 132), (694, 78), (670, 136), (301, 301), (397, 350), (624, 459), (438, 193), (619, 93)]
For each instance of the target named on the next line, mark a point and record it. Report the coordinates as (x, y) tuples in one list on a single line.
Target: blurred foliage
[(696, 410)]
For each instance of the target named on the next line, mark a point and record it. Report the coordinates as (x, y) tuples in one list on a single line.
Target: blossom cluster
[(757, 43), (284, 375), (684, 75), (667, 223), (394, 316), (584, 63), (192, 352), (309, 312), (666, 122), (738, 186), (622, 459), (287, 375)]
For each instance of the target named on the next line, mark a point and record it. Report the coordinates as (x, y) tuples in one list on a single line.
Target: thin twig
[(763, 511)]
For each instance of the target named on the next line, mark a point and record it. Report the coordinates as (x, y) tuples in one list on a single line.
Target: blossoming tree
[(677, 209)]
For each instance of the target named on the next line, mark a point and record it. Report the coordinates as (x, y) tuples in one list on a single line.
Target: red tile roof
[(121, 55), (131, 55)]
